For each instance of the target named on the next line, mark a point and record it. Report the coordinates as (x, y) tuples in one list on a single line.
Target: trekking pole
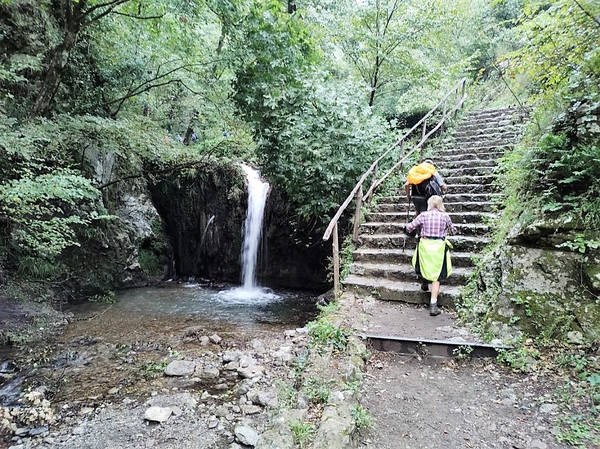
[(407, 218)]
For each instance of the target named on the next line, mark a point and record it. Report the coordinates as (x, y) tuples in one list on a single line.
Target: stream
[(110, 350)]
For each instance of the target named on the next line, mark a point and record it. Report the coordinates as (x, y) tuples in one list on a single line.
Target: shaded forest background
[(310, 92)]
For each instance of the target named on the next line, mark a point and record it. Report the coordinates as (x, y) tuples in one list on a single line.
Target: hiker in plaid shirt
[(431, 259)]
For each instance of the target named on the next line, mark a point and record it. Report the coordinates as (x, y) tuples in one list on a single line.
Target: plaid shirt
[(433, 223)]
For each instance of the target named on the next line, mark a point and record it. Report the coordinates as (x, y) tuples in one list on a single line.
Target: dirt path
[(432, 404)]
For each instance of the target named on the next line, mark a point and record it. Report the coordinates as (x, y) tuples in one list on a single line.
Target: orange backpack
[(420, 173)]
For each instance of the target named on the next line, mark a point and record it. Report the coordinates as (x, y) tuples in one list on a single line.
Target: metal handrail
[(357, 191)]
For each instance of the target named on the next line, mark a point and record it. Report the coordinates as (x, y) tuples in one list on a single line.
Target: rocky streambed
[(115, 380)]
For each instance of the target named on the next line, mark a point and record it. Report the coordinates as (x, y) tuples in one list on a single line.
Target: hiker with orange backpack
[(422, 182)]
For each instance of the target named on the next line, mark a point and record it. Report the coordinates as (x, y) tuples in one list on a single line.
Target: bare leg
[(435, 290)]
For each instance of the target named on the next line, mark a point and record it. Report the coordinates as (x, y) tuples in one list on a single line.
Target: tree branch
[(133, 16), (162, 171), (587, 13)]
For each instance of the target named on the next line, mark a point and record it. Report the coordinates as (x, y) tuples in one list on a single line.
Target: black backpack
[(428, 188)]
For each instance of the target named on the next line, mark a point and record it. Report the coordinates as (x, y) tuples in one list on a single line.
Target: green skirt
[(432, 260)]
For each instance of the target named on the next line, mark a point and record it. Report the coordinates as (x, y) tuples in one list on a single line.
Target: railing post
[(359, 197), (424, 130), (455, 113), (373, 181), (444, 110), (336, 262)]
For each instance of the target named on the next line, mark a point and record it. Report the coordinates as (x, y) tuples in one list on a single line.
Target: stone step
[(475, 208), (396, 227), (503, 117), (449, 198), (493, 148), (398, 215), (405, 272), (404, 256), (470, 137), (467, 160), (466, 171), (463, 243), (502, 127), (472, 155), (447, 164), (467, 189), (471, 179), (401, 291)]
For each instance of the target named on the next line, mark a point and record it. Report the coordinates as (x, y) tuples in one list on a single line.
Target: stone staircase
[(381, 265)]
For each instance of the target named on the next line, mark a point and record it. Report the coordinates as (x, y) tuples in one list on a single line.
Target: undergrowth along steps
[(382, 263)]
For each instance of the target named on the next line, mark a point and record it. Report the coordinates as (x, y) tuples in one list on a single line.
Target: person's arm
[(438, 178), (450, 226), (407, 188), (410, 227)]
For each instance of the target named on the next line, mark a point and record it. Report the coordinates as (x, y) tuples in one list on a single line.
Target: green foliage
[(521, 358), (346, 256), (325, 336), (286, 393), (150, 370), (560, 52), (304, 433), (581, 243), (555, 177), (317, 390), (362, 419), (104, 298), (45, 211), (576, 432), (463, 352), (580, 394), (315, 135)]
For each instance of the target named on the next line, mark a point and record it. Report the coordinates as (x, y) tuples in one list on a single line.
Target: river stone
[(231, 356), (158, 414), (262, 397), (336, 425), (231, 366), (207, 374), (250, 409), (246, 435), (180, 368), (280, 435), (251, 371), (548, 408), (215, 339)]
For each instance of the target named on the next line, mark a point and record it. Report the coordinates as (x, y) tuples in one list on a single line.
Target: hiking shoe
[(425, 285), (434, 311)]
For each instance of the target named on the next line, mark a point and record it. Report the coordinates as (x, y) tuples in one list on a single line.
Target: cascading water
[(257, 197), (252, 232)]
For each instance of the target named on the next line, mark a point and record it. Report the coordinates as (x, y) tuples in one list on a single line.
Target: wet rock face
[(204, 216), (539, 292), (294, 253)]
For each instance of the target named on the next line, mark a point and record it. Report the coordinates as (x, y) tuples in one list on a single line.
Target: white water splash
[(252, 231)]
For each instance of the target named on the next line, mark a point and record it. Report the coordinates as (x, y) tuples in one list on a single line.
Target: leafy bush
[(565, 178), (326, 336)]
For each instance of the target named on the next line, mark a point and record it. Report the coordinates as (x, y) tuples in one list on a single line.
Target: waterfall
[(249, 292), (252, 231)]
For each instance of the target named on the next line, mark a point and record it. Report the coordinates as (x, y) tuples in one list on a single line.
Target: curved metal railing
[(459, 92)]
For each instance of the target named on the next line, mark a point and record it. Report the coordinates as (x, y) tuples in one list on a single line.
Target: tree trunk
[(53, 74)]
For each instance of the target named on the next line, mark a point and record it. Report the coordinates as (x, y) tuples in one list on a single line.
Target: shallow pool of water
[(237, 307), (110, 346)]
